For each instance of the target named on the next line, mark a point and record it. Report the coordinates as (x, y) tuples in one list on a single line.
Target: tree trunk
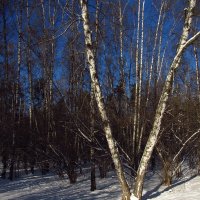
[(121, 60), (4, 162), (100, 103), (167, 178), (197, 72), (5, 41), (92, 151), (163, 100), (29, 69), (136, 104)]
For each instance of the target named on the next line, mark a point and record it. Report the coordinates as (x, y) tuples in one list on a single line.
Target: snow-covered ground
[(37, 187)]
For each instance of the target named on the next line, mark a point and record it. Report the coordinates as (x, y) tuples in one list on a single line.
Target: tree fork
[(183, 44)]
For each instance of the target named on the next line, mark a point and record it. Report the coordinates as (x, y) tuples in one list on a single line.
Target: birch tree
[(152, 140), (137, 129), (183, 44), (29, 67), (197, 72), (137, 72), (16, 91), (92, 106), (100, 102)]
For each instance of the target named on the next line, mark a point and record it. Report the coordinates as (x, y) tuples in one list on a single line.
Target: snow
[(133, 197), (51, 187)]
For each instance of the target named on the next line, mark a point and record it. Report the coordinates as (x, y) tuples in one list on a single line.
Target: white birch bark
[(122, 78), (153, 54), (97, 26), (159, 59), (100, 103), (135, 117), (163, 100), (140, 131)]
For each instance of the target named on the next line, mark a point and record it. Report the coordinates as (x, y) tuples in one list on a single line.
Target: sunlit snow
[(36, 187)]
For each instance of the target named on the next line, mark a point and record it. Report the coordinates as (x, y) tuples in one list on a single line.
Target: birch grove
[(152, 140), (105, 84)]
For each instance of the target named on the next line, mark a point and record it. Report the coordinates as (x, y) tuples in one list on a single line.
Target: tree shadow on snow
[(155, 193)]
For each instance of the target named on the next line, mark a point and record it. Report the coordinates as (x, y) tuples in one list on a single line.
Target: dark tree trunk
[(4, 161)]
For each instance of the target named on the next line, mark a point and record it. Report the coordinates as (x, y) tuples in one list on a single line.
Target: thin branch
[(184, 144)]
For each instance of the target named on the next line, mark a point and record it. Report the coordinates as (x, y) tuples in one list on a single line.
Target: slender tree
[(100, 103), (153, 137)]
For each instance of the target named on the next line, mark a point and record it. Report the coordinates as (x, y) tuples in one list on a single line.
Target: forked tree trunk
[(183, 44), (100, 103)]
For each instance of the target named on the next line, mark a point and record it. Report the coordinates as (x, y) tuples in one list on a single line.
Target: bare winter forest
[(113, 85)]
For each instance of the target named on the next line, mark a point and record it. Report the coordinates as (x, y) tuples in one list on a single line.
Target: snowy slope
[(49, 187)]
